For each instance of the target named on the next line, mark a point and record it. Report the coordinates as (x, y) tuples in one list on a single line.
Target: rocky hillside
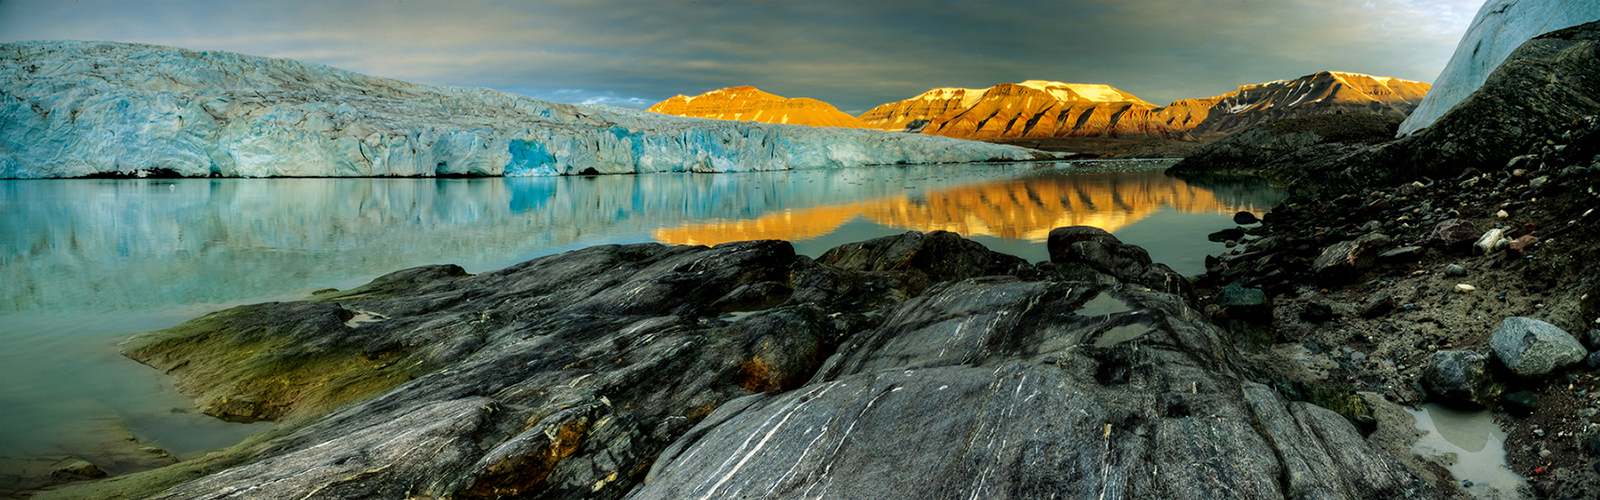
[(751, 104), (76, 109), (1328, 92), (1541, 87), (1499, 28), (1053, 109), (1029, 109)]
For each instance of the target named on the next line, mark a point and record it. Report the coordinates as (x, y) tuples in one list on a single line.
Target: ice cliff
[(1499, 28), (73, 109)]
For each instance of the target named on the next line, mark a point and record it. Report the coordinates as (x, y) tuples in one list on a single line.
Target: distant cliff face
[(1029, 109), (1499, 28), (751, 104), (1321, 93)]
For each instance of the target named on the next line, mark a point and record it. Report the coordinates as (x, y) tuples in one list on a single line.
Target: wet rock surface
[(660, 371)]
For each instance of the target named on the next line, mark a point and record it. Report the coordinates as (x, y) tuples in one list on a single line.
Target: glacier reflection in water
[(85, 263)]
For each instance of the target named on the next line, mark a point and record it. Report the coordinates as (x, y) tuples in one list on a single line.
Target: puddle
[(364, 317), (1122, 334), (1102, 305), (1478, 444)]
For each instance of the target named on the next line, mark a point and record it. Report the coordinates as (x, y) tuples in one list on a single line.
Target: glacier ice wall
[(71, 109), (1499, 28)]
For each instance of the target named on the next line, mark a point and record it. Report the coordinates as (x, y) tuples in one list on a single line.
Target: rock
[(1522, 403), (1465, 288), (231, 115), (1459, 379), (1522, 244), (1538, 182), (1315, 312), (1249, 304), (1455, 234), (77, 469), (1245, 218), (1038, 408), (1592, 339), (1593, 361), (1533, 348), (1380, 305), (1491, 240), (1454, 270), (1500, 27), (1104, 253), (1345, 261), (1592, 445), (1402, 254), (1232, 234)]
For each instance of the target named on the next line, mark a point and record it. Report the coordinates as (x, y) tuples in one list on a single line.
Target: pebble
[(1463, 287), (1455, 270)]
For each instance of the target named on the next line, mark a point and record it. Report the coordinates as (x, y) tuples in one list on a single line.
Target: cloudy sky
[(853, 53)]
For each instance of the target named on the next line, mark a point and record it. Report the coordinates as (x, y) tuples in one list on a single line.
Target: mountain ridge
[(1050, 109)]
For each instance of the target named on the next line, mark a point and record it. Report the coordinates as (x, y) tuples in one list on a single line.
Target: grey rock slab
[(560, 377), (1345, 261), (1533, 348), (995, 388)]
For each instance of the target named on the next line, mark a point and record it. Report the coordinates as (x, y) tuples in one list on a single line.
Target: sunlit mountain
[(751, 104)]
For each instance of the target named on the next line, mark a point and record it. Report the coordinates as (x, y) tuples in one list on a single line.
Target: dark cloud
[(853, 53)]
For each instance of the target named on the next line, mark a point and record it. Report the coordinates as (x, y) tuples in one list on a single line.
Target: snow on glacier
[(1498, 29), (72, 109)]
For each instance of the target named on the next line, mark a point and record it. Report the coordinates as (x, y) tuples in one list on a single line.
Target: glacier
[(75, 109), (1499, 28)]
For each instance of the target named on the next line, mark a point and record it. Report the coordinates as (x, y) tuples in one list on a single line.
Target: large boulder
[(1345, 261), (1460, 379), (1533, 348), (1101, 252)]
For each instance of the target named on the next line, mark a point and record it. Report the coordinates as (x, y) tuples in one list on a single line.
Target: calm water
[(86, 263)]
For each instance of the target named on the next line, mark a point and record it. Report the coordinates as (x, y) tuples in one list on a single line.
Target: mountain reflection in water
[(1024, 208)]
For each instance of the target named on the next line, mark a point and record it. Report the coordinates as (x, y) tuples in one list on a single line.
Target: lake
[(86, 263)]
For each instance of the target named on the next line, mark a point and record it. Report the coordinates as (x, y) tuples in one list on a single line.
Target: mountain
[(1499, 28), (1320, 93), (1033, 108), (1052, 109), (751, 104), (76, 109)]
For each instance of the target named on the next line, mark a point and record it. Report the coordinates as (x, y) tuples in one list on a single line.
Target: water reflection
[(1024, 208), (1475, 446)]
